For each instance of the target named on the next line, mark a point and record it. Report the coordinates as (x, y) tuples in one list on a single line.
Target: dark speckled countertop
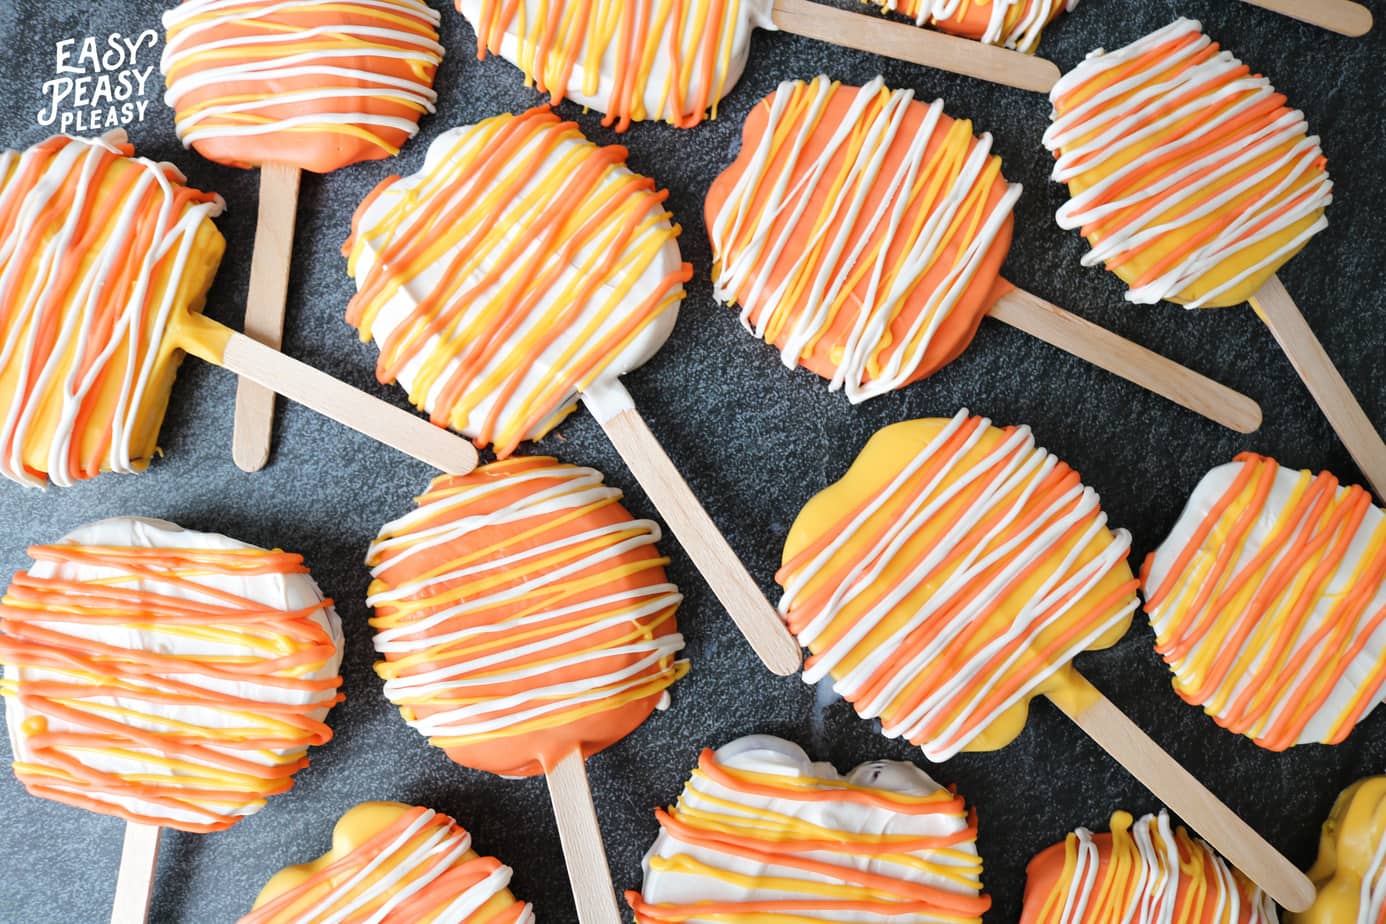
[(755, 440)]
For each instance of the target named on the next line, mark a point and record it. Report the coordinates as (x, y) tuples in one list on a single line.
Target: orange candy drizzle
[(1172, 149), (1124, 880), (1290, 573), (973, 17), (32, 613), (598, 586), (771, 844), (52, 300), (956, 322), (558, 37), (1040, 653), (289, 906), (482, 331), (350, 129)]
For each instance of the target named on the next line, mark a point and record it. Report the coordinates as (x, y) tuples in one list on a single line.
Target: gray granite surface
[(755, 440)]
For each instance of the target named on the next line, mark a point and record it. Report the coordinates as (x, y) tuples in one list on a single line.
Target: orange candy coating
[(915, 293), (313, 84), (523, 614)]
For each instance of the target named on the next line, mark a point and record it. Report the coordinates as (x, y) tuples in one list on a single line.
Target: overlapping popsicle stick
[(90, 351), (264, 309), (904, 42), (329, 396), (1344, 16)]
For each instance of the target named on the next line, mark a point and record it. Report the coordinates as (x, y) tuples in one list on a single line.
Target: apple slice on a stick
[(886, 281), (676, 67), (1343, 16), (951, 576), (499, 306), (90, 351), (292, 87), (1230, 213), (111, 606), (526, 620)]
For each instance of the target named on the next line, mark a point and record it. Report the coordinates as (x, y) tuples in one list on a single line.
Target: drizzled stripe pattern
[(519, 604), (1182, 163), (860, 232), (97, 257), (1268, 601), (766, 847), (634, 60), (419, 866), (146, 686), (972, 572), (1146, 873), (511, 273), (338, 80), (1011, 23)]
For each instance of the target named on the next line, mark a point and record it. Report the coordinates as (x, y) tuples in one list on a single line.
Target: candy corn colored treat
[(762, 834), (393, 862), (1350, 872), (100, 252), (166, 676), (317, 84), (861, 232), (523, 615), (1190, 177), (1144, 872), (1268, 600), (1013, 23), (635, 60), (522, 264), (950, 577)]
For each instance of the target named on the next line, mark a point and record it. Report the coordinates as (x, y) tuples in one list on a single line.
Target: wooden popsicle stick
[(1341, 16), (331, 397), (919, 46), (743, 600), (581, 836), (264, 309), (1186, 796), (1362, 439), (1131, 361), (139, 857)]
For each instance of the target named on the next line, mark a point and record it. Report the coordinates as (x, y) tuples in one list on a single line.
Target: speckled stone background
[(755, 440)]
